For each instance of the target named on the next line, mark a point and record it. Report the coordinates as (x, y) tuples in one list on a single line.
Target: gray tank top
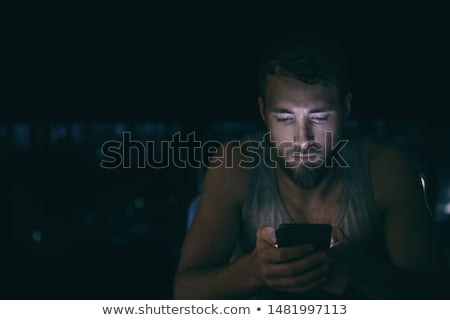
[(357, 215)]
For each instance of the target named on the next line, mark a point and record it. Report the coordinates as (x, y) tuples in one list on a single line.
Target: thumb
[(338, 236), (267, 234)]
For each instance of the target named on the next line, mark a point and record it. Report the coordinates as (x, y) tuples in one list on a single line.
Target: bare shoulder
[(394, 174), (388, 156), (214, 230), (227, 171)]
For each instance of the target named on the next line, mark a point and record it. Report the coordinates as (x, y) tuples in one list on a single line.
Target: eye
[(285, 119), (320, 118)]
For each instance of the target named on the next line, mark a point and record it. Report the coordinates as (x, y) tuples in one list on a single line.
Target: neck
[(320, 192)]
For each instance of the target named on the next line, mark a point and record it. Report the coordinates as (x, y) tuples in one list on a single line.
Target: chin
[(305, 177), (305, 163)]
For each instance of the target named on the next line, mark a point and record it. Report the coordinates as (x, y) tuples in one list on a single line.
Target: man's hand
[(295, 269), (345, 258)]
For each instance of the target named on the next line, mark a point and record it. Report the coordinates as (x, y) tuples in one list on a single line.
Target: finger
[(319, 272), (295, 267), (274, 255), (266, 234), (338, 235)]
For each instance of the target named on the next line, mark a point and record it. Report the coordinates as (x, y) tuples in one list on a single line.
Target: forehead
[(292, 92)]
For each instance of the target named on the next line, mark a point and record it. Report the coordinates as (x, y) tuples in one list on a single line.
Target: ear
[(261, 108), (347, 105)]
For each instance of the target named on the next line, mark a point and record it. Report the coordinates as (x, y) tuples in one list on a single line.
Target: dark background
[(72, 230)]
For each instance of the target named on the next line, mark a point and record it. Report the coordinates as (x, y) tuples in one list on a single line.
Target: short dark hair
[(313, 58)]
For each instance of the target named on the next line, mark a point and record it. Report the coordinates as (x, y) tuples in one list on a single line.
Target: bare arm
[(413, 267), (417, 267), (204, 271)]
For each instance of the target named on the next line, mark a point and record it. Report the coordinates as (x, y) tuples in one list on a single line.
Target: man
[(369, 192)]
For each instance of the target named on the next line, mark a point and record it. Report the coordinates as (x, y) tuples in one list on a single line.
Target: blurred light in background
[(442, 208), (37, 236), (139, 203), (447, 208), (77, 133), (21, 136)]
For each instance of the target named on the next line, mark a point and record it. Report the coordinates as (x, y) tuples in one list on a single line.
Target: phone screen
[(319, 235)]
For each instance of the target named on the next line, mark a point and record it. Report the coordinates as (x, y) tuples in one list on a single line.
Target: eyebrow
[(316, 110), (281, 110)]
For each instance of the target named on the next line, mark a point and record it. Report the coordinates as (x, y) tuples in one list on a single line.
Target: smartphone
[(291, 234)]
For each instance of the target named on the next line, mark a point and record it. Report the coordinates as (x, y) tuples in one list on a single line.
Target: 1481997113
[(307, 309)]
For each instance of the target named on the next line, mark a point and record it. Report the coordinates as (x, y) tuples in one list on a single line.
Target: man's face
[(303, 120)]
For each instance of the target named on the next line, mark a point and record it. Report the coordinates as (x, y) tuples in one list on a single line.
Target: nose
[(303, 133)]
